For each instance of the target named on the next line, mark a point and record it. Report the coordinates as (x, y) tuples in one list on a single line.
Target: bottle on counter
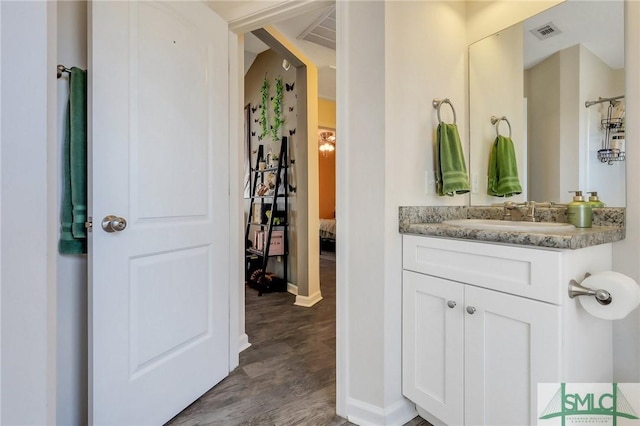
[(594, 201), (579, 212)]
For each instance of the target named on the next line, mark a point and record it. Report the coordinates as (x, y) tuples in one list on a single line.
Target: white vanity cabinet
[(483, 324)]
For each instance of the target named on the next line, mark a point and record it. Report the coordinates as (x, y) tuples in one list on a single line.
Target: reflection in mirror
[(541, 86)]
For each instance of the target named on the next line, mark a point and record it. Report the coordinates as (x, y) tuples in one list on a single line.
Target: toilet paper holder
[(576, 289)]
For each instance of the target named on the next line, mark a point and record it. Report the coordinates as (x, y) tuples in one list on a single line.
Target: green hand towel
[(74, 199), (451, 168), (503, 169)]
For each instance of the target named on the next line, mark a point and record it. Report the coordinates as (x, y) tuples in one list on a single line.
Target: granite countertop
[(608, 226)]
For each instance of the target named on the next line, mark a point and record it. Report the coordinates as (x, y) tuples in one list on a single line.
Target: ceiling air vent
[(323, 29), (546, 31)]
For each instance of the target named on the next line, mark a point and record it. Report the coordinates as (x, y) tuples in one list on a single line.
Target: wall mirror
[(538, 74)]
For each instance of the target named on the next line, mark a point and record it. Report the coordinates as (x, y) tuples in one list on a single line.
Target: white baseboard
[(243, 342), (363, 413), (308, 301), (305, 301)]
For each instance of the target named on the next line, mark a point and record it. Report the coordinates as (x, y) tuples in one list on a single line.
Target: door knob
[(471, 310), (113, 223), (451, 304)]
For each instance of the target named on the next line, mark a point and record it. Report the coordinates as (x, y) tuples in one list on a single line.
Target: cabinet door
[(511, 345), (432, 345)]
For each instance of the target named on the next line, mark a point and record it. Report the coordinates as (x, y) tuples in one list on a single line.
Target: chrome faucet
[(531, 211), (512, 211)]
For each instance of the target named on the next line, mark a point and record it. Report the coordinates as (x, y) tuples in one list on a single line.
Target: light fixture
[(327, 147), (327, 141), (286, 65)]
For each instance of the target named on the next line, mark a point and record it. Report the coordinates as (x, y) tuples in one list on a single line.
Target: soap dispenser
[(594, 201), (579, 212)]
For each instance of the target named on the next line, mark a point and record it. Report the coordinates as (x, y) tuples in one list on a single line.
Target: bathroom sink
[(508, 225)]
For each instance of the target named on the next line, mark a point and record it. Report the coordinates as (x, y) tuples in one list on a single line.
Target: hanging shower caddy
[(613, 144)]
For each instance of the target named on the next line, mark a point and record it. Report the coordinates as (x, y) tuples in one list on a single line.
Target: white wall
[(236, 221), (569, 135), (72, 269), (421, 65), (360, 204), (1, 217), (626, 333), (387, 80), (27, 249), (543, 126), (426, 58)]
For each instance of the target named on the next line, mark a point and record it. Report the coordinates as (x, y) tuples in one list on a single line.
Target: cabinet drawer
[(532, 273)]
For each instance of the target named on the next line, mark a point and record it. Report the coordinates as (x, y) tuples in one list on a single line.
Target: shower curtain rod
[(601, 100)]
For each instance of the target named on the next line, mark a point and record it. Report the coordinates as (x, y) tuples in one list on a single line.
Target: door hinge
[(89, 224)]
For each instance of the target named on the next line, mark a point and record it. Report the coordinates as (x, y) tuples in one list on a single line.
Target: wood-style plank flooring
[(288, 375)]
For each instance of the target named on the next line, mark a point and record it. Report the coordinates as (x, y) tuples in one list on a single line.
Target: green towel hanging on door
[(73, 234)]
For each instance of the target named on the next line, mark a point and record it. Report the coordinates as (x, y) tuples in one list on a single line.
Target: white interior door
[(158, 300)]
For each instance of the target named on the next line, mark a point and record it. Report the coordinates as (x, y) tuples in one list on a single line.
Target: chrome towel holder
[(437, 103), (61, 69), (496, 120), (576, 289)]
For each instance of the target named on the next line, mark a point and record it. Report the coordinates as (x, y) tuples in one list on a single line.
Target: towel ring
[(437, 103), (61, 68), (496, 120)]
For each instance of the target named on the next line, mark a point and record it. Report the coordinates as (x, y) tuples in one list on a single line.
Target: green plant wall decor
[(276, 104), (278, 119), (264, 104)]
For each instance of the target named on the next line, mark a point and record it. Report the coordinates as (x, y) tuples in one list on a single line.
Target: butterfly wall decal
[(253, 133), (254, 109), (292, 188), (292, 132), (255, 120), (293, 161), (290, 109), (289, 87), (259, 138)]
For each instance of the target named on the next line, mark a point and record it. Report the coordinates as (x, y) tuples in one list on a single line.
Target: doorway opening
[(291, 364)]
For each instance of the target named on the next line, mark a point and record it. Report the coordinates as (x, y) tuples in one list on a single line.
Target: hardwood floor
[(288, 375)]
